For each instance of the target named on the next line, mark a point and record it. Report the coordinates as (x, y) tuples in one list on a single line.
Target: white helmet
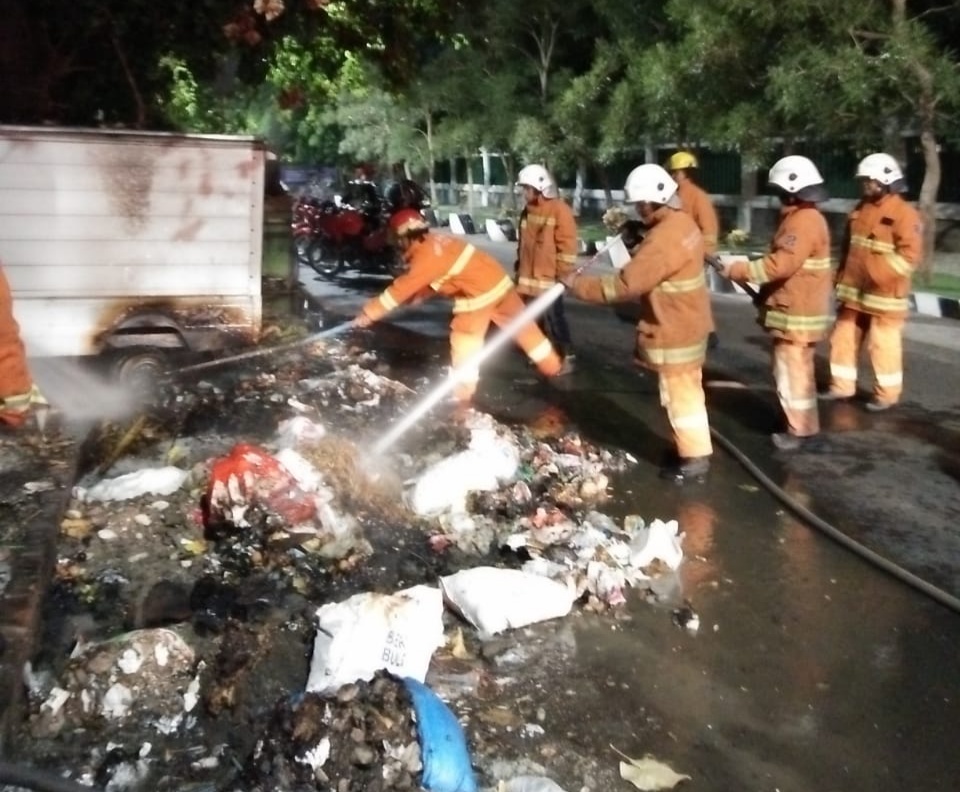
[(882, 168), (649, 183), (798, 176), (539, 178)]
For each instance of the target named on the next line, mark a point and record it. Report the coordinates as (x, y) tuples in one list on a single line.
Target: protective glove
[(569, 279), (722, 267), (362, 321), (631, 232)]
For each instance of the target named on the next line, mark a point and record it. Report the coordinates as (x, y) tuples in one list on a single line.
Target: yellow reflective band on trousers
[(541, 351), (494, 295), (891, 380), (778, 320), (793, 374), (661, 356), (567, 258), (871, 302), (456, 268), (681, 286), (535, 283)]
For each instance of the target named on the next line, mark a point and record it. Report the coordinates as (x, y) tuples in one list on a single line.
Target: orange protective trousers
[(793, 375), (681, 395), (884, 337), (15, 377), (468, 331)]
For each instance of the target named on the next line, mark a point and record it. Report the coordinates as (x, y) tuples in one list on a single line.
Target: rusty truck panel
[(115, 238)]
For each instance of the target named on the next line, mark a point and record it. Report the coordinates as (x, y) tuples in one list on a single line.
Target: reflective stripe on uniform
[(535, 283), (756, 272), (465, 304), (890, 380), (815, 264), (661, 356), (874, 245), (540, 220), (899, 264), (680, 286), (697, 420), (843, 372), (567, 258), (608, 287), (541, 351), (851, 294), (456, 268), (22, 401), (387, 301), (778, 320)]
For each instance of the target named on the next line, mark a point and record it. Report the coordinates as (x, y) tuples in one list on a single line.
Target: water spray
[(471, 364), (310, 339)]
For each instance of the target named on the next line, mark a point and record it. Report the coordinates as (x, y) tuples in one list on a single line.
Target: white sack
[(369, 632), (153, 481), (494, 600)]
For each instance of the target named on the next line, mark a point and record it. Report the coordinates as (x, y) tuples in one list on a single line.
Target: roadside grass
[(592, 230)]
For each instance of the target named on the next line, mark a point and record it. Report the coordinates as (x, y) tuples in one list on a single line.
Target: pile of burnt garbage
[(245, 600)]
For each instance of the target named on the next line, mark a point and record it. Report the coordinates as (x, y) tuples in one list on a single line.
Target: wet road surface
[(811, 669)]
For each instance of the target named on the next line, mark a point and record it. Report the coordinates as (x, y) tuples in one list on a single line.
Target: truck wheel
[(141, 371)]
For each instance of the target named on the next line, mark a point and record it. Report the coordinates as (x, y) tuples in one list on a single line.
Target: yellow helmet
[(681, 160)]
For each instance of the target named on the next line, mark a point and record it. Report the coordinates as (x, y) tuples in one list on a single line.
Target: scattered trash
[(494, 599), (443, 746), (370, 632), (529, 784), (648, 774), (148, 481)]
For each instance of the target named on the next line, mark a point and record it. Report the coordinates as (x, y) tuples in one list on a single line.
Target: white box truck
[(131, 242)]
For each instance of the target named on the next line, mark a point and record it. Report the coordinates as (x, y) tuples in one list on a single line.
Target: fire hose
[(714, 262)]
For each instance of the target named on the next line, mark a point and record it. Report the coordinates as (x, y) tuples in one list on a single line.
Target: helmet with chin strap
[(649, 183), (539, 178), (884, 169), (797, 176)]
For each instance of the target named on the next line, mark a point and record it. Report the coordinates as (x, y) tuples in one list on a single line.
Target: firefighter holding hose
[(665, 276), (795, 278), (482, 293)]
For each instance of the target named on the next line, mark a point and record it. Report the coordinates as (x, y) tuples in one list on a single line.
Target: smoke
[(80, 392)]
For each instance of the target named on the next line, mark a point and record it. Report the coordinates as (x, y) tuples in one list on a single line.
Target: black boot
[(687, 469)]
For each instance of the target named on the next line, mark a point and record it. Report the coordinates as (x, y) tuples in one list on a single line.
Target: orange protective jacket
[(15, 379), (795, 277), (546, 245), (698, 205), (883, 246), (449, 266), (665, 275)]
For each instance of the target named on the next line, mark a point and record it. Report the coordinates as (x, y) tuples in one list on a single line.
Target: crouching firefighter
[(482, 293), (665, 277), (795, 280)]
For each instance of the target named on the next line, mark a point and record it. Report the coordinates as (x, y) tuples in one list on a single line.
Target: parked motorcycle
[(334, 236)]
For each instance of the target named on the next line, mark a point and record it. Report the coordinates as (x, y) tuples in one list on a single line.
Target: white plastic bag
[(490, 460), (529, 784), (660, 540), (494, 600), (369, 632)]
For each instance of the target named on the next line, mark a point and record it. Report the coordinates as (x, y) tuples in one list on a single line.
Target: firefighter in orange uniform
[(883, 245), (695, 201), (795, 279), (665, 275), (482, 293), (546, 251), (18, 393)]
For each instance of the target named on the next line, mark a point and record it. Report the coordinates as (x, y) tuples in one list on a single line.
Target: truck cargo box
[(131, 240)]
